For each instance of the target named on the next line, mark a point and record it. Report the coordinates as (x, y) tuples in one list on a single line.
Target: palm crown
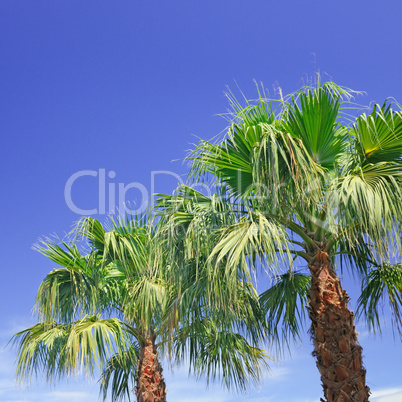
[(297, 181), (116, 306)]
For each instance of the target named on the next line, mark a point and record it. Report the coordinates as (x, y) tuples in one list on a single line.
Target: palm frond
[(284, 305), (252, 239), (369, 198), (63, 254), (85, 285), (65, 294), (257, 158), (149, 297), (383, 286), (315, 123), (119, 374), (215, 353), (59, 349), (379, 135)]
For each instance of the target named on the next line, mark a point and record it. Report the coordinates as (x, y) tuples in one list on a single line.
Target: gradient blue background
[(125, 86)]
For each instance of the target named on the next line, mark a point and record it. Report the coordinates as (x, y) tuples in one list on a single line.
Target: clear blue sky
[(125, 86)]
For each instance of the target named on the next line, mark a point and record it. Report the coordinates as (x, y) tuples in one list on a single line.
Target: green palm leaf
[(216, 353), (284, 304), (63, 349), (379, 135), (119, 374), (315, 123), (383, 284)]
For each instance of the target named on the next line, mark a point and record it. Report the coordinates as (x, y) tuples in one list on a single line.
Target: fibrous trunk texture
[(151, 386), (338, 354)]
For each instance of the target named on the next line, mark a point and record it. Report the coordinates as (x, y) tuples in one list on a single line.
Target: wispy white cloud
[(387, 395), (13, 393), (364, 334), (277, 374), (68, 396)]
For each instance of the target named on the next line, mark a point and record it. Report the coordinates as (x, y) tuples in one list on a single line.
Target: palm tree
[(303, 180), (113, 305)]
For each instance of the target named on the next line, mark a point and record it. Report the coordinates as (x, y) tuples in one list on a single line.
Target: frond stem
[(299, 230), (302, 254)]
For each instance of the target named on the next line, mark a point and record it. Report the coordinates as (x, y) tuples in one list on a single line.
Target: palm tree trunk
[(151, 386), (338, 354)]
